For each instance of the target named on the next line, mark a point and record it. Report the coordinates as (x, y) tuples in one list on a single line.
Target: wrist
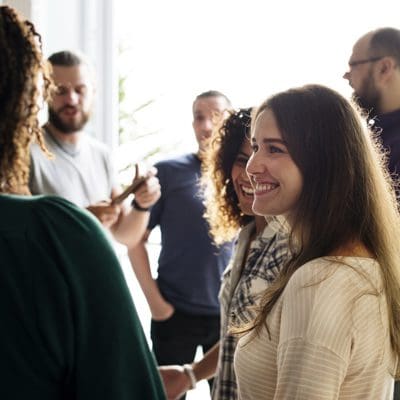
[(188, 369), (138, 207)]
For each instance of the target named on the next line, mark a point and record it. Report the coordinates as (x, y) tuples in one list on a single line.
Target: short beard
[(368, 106), (368, 100), (67, 128)]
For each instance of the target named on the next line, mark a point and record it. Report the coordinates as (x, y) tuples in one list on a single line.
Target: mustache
[(68, 108)]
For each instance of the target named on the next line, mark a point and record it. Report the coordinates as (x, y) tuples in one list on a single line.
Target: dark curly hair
[(222, 210), (24, 78)]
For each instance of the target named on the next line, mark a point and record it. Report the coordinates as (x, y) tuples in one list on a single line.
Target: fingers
[(152, 171), (105, 212), (149, 193)]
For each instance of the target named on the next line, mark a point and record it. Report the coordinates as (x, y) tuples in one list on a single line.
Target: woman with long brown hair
[(329, 327)]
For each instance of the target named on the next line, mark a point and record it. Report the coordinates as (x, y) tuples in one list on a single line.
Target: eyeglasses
[(367, 60)]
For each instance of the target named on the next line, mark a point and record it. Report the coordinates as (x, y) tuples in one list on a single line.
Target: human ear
[(386, 67)]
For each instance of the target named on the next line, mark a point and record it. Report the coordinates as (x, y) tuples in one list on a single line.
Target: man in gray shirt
[(81, 169)]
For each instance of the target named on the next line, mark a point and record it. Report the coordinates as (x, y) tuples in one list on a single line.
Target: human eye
[(254, 147), (199, 117), (61, 90), (241, 160), (81, 89), (274, 149)]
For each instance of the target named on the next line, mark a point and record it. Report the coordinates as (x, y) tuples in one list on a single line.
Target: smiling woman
[(335, 305), (277, 179), (246, 51)]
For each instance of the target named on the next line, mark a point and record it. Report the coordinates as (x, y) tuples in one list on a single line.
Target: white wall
[(85, 25)]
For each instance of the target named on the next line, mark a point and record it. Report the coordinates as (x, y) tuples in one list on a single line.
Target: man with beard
[(374, 74), (81, 170)]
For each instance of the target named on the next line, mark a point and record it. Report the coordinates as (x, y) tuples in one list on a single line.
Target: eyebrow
[(265, 140), (69, 85)]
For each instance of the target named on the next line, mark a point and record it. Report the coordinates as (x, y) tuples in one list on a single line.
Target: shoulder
[(57, 214), (324, 298), (183, 160), (35, 150), (35, 216), (348, 277), (68, 232)]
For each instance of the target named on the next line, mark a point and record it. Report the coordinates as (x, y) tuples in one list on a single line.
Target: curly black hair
[(222, 210)]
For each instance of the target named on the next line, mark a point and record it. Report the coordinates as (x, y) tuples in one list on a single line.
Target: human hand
[(105, 212), (176, 382), (150, 191), (162, 310)]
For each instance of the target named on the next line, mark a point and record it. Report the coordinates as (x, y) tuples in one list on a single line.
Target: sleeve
[(157, 209), (315, 336), (308, 371), (84, 311)]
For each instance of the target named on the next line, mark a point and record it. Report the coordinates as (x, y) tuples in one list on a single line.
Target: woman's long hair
[(24, 78), (222, 210), (347, 194)]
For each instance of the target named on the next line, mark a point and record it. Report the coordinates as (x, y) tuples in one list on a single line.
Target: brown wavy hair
[(222, 210), (347, 192), (24, 78)]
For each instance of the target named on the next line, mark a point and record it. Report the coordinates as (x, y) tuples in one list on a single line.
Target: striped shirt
[(243, 283), (329, 337)]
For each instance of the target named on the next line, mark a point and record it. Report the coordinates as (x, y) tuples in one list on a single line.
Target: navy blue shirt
[(389, 123), (190, 265)]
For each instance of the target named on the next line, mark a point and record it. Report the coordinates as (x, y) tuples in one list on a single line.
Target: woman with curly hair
[(260, 250), (68, 325)]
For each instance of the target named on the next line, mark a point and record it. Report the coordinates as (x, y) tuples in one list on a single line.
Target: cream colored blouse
[(329, 338)]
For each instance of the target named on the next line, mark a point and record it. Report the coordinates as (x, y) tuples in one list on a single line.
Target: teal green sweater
[(68, 327)]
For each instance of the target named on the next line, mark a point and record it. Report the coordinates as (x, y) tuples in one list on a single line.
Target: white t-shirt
[(81, 173)]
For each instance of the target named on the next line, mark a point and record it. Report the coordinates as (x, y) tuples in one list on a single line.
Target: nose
[(346, 75), (253, 166), (71, 97), (208, 127)]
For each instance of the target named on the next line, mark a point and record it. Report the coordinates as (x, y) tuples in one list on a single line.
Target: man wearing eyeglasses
[(374, 74)]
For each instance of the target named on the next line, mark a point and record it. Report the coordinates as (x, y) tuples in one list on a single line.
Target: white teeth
[(248, 189), (265, 187)]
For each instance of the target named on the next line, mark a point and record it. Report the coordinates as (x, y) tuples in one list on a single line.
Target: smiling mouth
[(262, 188), (247, 190)]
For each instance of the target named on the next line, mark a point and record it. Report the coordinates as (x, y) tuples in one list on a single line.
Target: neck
[(71, 137), (390, 99), (354, 248), (260, 223)]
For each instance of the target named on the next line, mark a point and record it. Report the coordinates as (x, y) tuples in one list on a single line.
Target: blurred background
[(153, 57)]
